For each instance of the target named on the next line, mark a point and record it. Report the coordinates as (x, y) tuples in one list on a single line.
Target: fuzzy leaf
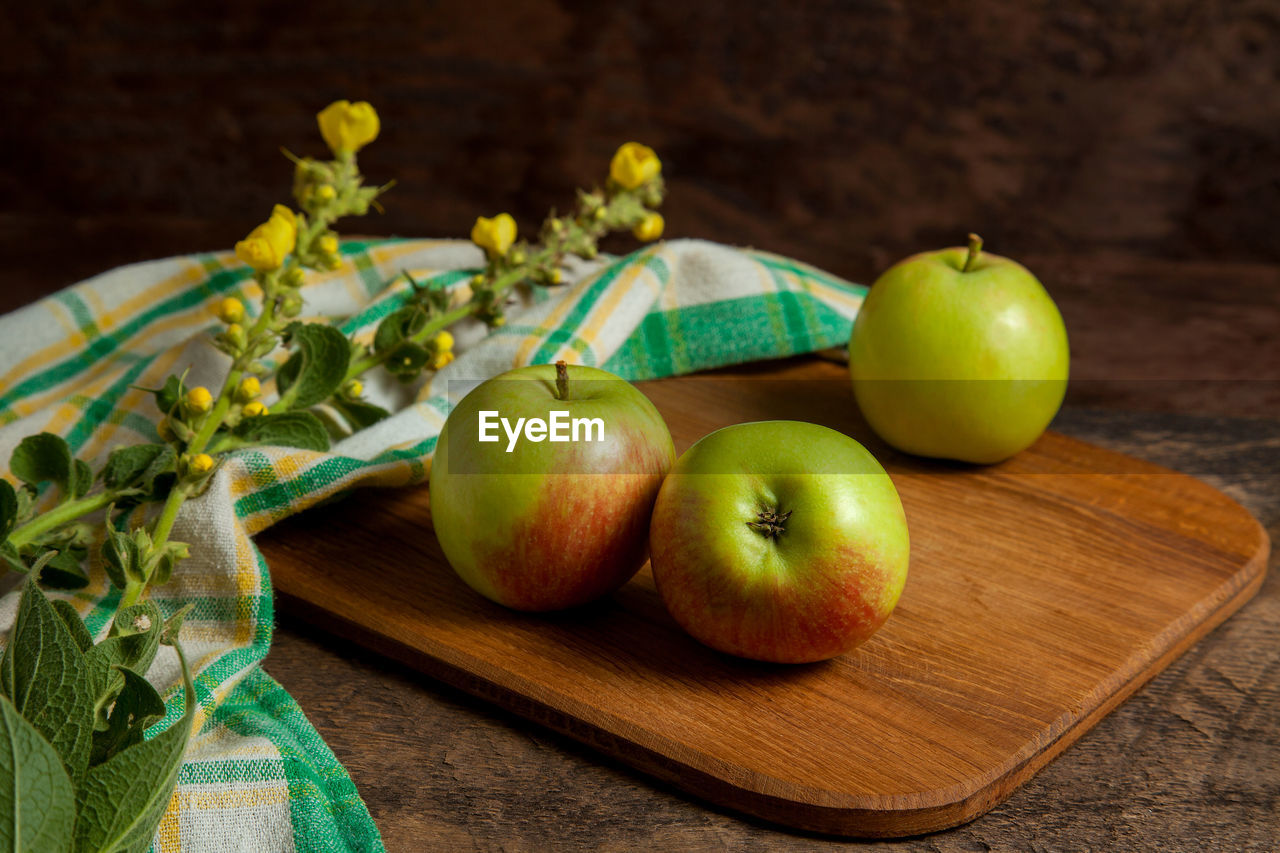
[(82, 478), (74, 624), (120, 558), (137, 708), (37, 801), (167, 396), (45, 675), (396, 326), (407, 360), (65, 570), (122, 800), (126, 465), (317, 369), (131, 644), (8, 508), (360, 414), (44, 458), (10, 557), (291, 429)]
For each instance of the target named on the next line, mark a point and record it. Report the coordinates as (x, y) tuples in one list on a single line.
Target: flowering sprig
[(107, 699)]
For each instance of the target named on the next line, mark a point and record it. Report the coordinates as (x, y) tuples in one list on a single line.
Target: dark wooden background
[(1128, 152), (845, 133)]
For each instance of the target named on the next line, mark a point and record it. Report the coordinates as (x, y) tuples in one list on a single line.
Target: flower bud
[(199, 400), (440, 359), (354, 388), (165, 430), (649, 228), (230, 310), (200, 464), (293, 277), (234, 335), (348, 127), (254, 409), (291, 305), (325, 193), (328, 244), (494, 235), (444, 341), (249, 388), (634, 165)]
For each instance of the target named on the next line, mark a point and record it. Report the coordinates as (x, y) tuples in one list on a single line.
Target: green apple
[(542, 485), (959, 354), (779, 541)]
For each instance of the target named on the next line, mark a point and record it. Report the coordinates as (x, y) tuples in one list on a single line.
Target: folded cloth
[(257, 776)]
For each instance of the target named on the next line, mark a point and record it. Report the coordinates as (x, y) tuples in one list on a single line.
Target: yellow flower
[(199, 400), (348, 127), (258, 253), (267, 245), (249, 388), (444, 341), (649, 228), (494, 235), (200, 464), (634, 165), (440, 359), (328, 244), (254, 409), (231, 310)]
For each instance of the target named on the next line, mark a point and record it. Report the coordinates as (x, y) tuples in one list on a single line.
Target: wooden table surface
[(1193, 758)]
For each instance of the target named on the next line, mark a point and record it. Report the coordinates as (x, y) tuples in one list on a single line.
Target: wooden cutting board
[(1042, 592)]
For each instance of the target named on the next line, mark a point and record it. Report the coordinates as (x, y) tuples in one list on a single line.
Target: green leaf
[(291, 429), (9, 556), (37, 801), (137, 708), (407, 360), (46, 676), (127, 464), (43, 458), (66, 569), (131, 643), (120, 558), (360, 414), (167, 396), (173, 625), (82, 478), (317, 369), (74, 624), (8, 508), (122, 800), (397, 326)]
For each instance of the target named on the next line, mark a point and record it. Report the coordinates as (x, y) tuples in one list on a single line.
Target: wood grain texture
[(1043, 591)]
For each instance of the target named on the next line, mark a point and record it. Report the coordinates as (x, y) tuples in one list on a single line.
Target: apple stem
[(562, 380), (975, 248)]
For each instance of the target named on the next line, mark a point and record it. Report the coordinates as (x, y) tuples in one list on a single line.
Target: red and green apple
[(779, 541), (542, 485)]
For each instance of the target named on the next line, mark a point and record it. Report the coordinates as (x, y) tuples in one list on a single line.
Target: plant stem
[(562, 380), (975, 248), (60, 515)]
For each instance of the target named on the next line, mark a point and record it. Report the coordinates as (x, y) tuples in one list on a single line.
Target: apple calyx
[(975, 249), (562, 380), (770, 523)]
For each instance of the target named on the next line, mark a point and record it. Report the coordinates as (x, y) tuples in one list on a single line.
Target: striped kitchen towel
[(257, 775)]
